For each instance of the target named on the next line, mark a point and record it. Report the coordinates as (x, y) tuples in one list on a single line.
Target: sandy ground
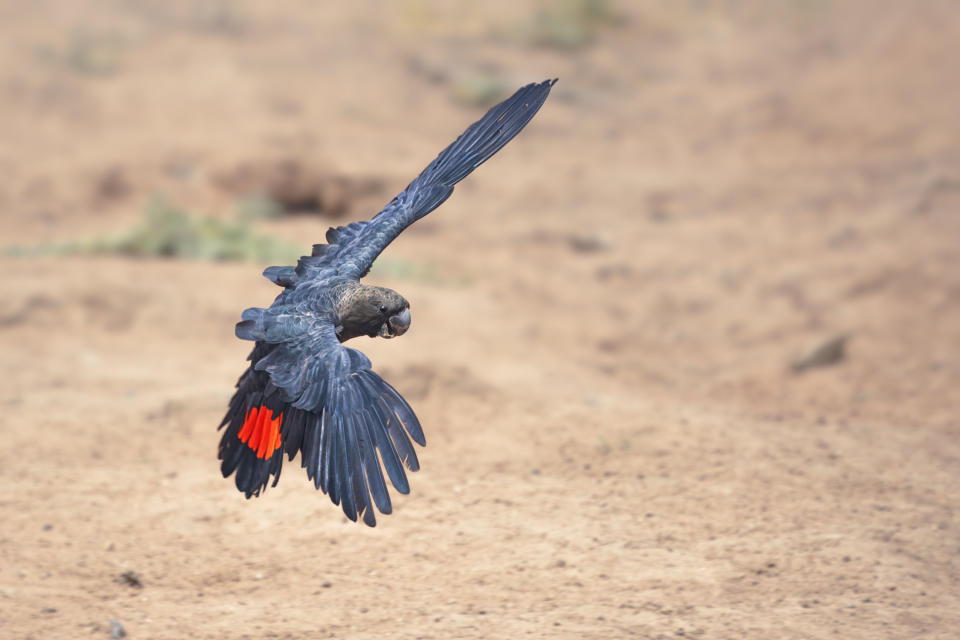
[(603, 320)]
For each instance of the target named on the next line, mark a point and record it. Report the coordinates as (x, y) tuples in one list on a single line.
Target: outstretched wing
[(351, 250), (336, 412)]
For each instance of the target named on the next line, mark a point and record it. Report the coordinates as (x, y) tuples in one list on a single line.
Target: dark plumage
[(304, 391)]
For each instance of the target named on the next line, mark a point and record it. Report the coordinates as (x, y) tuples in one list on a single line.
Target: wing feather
[(352, 249), (343, 418)]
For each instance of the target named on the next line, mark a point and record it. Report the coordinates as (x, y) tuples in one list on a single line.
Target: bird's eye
[(383, 309)]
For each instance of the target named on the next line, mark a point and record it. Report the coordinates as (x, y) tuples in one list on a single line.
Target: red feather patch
[(261, 431)]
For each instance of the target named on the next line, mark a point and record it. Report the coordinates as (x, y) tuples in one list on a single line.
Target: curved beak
[(400, 322)]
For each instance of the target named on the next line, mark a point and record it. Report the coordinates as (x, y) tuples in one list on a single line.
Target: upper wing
[(339, 415), (352, 249)]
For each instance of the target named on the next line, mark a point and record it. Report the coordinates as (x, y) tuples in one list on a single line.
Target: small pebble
[(824, 354), (116, 630), (131, 579)]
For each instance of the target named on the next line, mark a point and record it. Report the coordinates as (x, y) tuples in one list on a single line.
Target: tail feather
[(252, 444)]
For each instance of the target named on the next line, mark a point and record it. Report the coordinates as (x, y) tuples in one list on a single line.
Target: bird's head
[(374, 311)]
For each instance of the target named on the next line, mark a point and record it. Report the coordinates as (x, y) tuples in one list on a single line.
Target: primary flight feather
[(304, 392)]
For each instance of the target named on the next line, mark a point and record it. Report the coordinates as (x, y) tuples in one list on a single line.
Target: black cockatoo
[(304, 391)]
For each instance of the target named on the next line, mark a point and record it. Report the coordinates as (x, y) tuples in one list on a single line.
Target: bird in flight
[(304, 392)]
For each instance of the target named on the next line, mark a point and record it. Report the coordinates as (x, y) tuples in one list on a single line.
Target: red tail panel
[(261, 431)]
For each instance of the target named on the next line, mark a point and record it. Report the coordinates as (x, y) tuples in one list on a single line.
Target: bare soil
[(604, 321)]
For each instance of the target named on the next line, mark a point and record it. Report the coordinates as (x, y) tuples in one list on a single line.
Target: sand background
[(603, 319)]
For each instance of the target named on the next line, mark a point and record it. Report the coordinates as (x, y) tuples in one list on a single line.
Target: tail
[(257, 430)]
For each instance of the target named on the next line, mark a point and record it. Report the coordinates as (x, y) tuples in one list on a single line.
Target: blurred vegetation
[(210, 17), (226, 17), (170, 232), (480, 89), (87, 53), (394, 269), (167, 231), (259, 206), (569, 24), (565, 25)]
